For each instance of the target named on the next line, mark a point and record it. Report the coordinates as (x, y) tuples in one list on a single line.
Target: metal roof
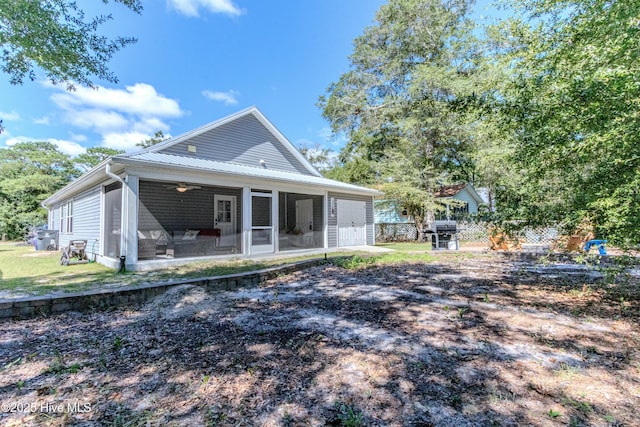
[(225, 168)]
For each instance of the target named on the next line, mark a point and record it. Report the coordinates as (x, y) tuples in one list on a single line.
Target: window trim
[(66, 218)]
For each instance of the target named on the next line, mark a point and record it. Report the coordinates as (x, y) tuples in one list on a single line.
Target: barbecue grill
[(446, 235)]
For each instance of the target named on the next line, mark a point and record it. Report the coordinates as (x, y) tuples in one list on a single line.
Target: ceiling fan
[(181, 187)]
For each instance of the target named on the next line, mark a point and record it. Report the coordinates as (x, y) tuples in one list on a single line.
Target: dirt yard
[(462, 341)]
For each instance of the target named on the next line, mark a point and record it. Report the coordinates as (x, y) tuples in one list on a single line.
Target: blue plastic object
[(599, 243)]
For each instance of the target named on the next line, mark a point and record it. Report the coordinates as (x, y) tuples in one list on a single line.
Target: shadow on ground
[(466, 342)]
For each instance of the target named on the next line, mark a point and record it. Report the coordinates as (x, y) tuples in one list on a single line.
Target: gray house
[(235, 187)]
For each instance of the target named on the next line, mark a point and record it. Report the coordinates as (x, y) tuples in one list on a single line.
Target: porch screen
[(301, 221), (113, 209)]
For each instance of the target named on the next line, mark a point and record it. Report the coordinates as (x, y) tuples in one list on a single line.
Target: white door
[(352, 223), (304, 215), (224, 212)]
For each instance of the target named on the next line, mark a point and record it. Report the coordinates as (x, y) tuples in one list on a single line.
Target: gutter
[(110, 174)]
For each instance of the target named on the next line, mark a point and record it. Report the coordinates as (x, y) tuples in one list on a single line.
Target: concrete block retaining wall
[(21, 308)]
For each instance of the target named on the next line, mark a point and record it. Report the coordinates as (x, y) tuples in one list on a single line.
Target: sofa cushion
[(209, 232), (190, 235), (159, 235)]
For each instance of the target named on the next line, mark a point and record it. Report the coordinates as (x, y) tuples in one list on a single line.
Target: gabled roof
[(449, 190), (154, 157), (453, 190), (255, 112)]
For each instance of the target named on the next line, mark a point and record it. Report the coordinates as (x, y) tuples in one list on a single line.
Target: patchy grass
[(354, 262)]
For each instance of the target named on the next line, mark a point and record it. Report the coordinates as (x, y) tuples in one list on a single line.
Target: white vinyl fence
[(467, 232)]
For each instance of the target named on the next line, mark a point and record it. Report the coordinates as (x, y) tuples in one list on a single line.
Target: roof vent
[(191, 148)]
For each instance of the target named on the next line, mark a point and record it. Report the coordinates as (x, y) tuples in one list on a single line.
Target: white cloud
[(9, 117), (228, 98), (192, 7), (99, 120), (123, 117), (140, 99), (150, 126), (124, 141), (42, 121), (67, 147), (78, 137)]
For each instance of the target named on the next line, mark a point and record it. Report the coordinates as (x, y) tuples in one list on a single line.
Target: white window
[(66, 218)]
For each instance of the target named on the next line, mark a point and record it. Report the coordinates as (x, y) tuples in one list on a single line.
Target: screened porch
[(184, 221), (300, 222)]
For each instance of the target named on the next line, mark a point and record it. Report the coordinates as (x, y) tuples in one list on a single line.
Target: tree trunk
[(421, 226)]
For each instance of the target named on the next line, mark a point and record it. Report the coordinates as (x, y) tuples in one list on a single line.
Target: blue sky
[(197, 61)]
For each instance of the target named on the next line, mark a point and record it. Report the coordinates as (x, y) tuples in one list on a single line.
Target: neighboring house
[(234, 187), (388, 212), (468, 197)]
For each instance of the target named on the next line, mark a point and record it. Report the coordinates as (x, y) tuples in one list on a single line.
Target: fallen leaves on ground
[(477, 341)]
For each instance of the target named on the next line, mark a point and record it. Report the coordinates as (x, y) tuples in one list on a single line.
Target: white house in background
[(234, 187), (467, 201)]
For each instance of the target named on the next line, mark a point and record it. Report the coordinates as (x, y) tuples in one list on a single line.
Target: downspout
[(113, 175), (123, 240)]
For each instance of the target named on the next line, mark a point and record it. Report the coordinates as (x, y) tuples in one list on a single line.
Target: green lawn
[(416, 248), (406, 246), (26, 271)]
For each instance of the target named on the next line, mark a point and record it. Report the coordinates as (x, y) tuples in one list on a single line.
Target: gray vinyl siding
[(244, 141), (163, 208), (333, 221), (86, 219)]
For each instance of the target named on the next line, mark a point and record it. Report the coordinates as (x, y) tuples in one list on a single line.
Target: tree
[(29, 173), (571, 111), (55, 36), (320, 158), (95, 156), (157, 138), (403, 104)]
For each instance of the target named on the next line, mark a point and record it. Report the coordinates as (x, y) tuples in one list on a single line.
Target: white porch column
[(325, 221), (246, 220), (275, 220), (129, 226)]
